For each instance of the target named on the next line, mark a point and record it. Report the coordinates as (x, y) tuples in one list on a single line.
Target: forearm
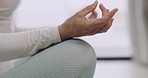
[(23, 44)]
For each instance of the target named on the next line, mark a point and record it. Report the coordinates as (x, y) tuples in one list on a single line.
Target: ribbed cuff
[(55, 35)]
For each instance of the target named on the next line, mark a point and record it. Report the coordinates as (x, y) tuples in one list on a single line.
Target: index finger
[(107, 17), (110, 14)]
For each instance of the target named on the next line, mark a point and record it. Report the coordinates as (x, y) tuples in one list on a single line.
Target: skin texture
[(79, 25)]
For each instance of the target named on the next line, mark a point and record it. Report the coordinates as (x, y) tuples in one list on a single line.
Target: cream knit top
[(21, 44)]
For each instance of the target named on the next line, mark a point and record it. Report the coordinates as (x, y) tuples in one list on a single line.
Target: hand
[(78, 25)]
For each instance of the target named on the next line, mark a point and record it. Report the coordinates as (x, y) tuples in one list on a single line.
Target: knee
[(83, 56), (80, 48)]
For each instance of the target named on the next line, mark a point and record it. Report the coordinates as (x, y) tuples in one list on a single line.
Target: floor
[(120, 69)]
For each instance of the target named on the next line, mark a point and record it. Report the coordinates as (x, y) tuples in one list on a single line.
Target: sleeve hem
[(55, 35)]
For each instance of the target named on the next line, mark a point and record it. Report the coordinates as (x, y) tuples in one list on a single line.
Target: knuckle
[(90, 24), (108, 26), (109, 16), (79, 13), (102, 21), (106, 18)]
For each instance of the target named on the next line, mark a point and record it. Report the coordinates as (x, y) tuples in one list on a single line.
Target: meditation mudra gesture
[(66, 58)]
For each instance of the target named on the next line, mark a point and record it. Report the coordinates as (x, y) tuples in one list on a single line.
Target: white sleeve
[(23, 44)]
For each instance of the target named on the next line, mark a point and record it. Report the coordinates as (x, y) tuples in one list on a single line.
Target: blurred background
[(122, 51)]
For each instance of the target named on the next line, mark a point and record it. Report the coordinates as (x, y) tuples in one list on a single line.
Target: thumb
[(89, 8)]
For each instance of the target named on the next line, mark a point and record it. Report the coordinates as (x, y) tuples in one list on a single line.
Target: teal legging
[(69, 59)]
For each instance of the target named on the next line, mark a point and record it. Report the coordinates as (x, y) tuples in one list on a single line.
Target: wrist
[(64, 32)]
